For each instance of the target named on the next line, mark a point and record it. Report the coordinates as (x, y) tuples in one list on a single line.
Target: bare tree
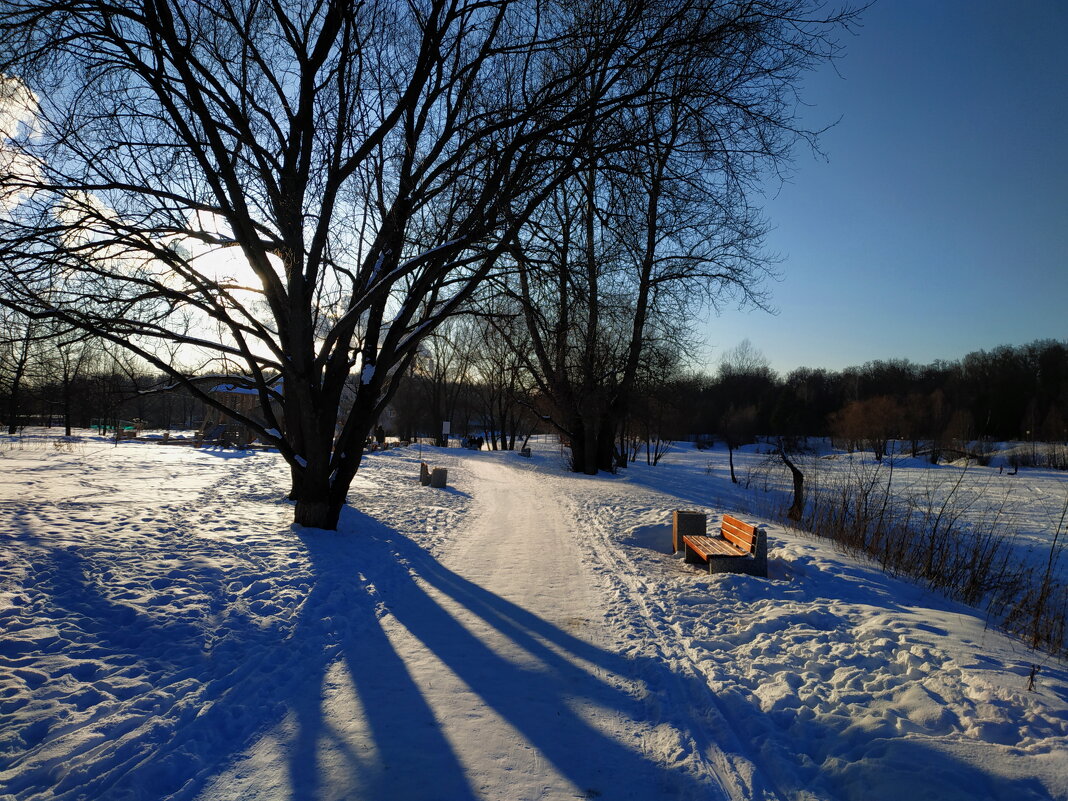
[(657, 223), (797, 505), (655, 414), (617, 262), (74, 353), (871, 423), (444, 370), (745, 362), (503, 388), (298, 191), (743, 379), (738, 428), (17, 346)]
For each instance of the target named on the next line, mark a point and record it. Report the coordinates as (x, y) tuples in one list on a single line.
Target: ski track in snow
[(521, 634), (841, 681)]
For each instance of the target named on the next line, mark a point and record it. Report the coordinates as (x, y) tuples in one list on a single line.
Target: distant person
[(380, 436)]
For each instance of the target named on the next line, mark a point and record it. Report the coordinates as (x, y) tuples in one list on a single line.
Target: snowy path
[(500, 683)]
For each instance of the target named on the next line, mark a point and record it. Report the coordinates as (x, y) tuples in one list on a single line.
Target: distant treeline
[(104, 400), (1008, 393)]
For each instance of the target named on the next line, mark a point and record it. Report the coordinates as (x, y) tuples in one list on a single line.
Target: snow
[(234, 389), (376, 269), (522, 634), (367, 374), (1026, 507)]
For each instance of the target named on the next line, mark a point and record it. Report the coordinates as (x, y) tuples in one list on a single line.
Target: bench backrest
[(741, 534)]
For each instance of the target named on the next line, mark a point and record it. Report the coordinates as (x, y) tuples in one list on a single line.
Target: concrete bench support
[(685, 523), (438, 477), (755, 566)]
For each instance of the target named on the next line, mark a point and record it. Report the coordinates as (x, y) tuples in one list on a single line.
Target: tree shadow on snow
[(542, 694), (222, 452), (253, 680), (205, 696), (537, 696)]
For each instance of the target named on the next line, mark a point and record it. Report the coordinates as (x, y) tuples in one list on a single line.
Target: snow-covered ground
[(1024, 508), (522, 634)]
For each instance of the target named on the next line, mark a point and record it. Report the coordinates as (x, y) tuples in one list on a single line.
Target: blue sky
[(938, 225)]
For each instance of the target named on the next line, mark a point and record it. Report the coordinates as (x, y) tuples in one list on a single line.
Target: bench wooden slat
[(736, 528), (730, 551), (741, 525), (741, 534), (743, 541), (712, 546)]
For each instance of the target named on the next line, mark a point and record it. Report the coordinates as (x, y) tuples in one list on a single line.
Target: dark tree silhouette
[(365, 164), (657, 223)]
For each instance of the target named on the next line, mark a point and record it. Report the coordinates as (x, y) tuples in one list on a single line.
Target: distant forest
[(1008, 393)]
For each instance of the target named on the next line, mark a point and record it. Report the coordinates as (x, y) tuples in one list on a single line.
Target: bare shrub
[(1056, 456), (1042, 615), (983, 452), (928, 538)]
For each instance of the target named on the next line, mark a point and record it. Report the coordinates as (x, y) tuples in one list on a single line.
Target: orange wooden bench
[(739, 548)]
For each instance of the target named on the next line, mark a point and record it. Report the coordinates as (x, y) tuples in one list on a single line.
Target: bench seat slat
[(713, 546)]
